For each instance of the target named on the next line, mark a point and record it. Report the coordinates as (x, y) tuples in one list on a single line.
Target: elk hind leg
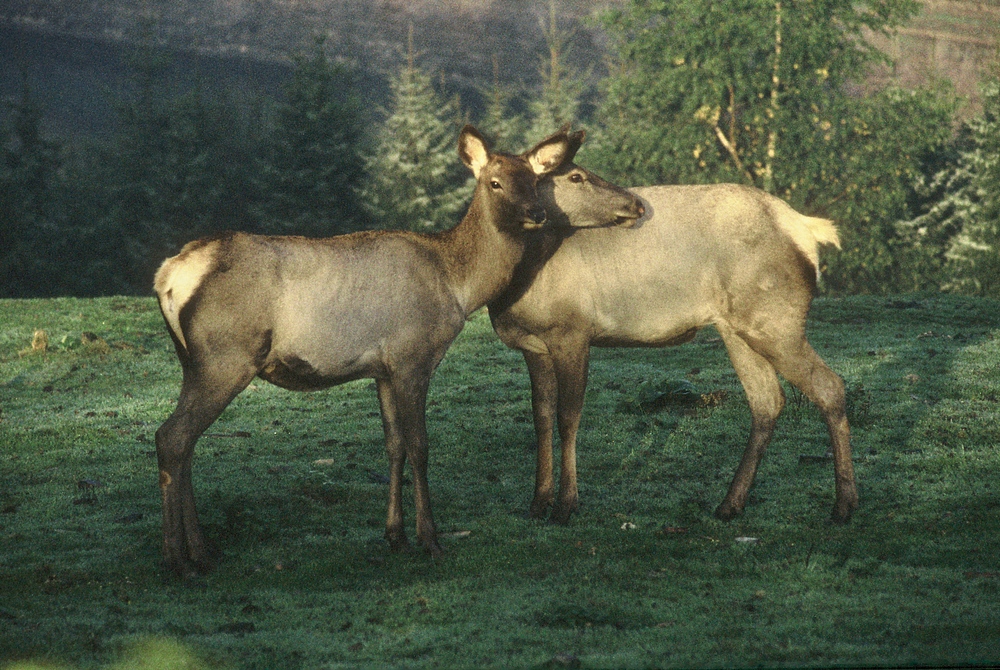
[(570, 365), (766, 399), (803, 367), (204, 395)]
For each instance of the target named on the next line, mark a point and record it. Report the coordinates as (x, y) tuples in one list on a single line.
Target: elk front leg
[(570, 364), (406, 439), (543, 409), (395, 534)]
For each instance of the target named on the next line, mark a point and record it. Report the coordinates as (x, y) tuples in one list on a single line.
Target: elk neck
[(481, 252)]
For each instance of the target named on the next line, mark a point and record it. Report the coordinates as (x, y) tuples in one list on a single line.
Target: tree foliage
[(865, 178), (505, 127), (29, 186), (181, 170), (703, 89), (415, 180), (970, 204), (763, 92), (54, 232), (311, 173), (558, 102)]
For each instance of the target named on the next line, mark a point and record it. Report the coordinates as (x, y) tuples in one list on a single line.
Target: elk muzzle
[(630, 215), (535, 218)]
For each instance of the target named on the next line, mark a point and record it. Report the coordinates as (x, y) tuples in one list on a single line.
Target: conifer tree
[(309, 179), (972, 204), (182, 172), (757, 92), (562, 87), (58, 233), (500, 123), (28, 176), (416, 180)]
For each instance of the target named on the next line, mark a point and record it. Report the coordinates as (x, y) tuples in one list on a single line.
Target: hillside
[(460, 39), (949, 39)]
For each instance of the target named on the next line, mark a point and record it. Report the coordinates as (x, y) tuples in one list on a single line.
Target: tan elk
[(308, 314), (724, 255)]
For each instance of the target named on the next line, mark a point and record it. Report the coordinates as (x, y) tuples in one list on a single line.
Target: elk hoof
[(539, 508), (398, 542), (434, 549), (186, 564), (188, 570), (842, 513), (725, 512), (562, 512)]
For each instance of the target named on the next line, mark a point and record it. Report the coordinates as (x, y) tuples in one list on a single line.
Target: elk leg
[(203, 396), (543, 408), (766, 399), (395, 534), (409, 398), (570, 364), (824, 387)]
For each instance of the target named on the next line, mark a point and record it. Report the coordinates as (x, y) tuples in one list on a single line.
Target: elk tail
[(808, 233), (823, 230)]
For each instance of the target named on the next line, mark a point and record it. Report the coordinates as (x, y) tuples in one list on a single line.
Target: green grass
[(307, 581)]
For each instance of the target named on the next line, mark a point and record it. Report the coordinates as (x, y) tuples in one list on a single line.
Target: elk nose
[(537, 215), (639, 209)]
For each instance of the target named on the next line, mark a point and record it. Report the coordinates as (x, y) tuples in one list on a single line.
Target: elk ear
[(554, 150), (473, 149), (575, 140)]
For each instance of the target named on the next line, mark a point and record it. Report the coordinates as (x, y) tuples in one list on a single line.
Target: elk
[(307, 314), (724, 255)]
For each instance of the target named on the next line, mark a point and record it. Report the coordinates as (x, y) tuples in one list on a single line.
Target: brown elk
[(724, 255), (308, 314)]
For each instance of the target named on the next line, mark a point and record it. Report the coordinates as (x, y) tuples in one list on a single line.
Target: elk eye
[(576, 178), (495, 185)]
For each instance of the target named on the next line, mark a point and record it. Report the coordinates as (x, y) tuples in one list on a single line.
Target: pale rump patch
[(177, 279), (165, 479)]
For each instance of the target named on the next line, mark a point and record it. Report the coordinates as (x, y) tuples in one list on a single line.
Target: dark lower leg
[(543, 407), (571, 374)]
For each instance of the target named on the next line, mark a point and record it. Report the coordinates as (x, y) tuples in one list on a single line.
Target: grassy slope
[(306, 579)]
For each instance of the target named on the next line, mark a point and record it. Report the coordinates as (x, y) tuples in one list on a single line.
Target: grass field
[(291, 489)]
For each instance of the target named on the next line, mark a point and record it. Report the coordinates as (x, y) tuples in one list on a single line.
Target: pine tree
[(562, 87), (505, 128), (941, 210), (183, 171), (310, 177), (415, 178), (972, 204), (179, 167), (28, 181)]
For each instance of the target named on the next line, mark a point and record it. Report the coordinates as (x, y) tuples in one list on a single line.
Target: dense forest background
[(798, 98)]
